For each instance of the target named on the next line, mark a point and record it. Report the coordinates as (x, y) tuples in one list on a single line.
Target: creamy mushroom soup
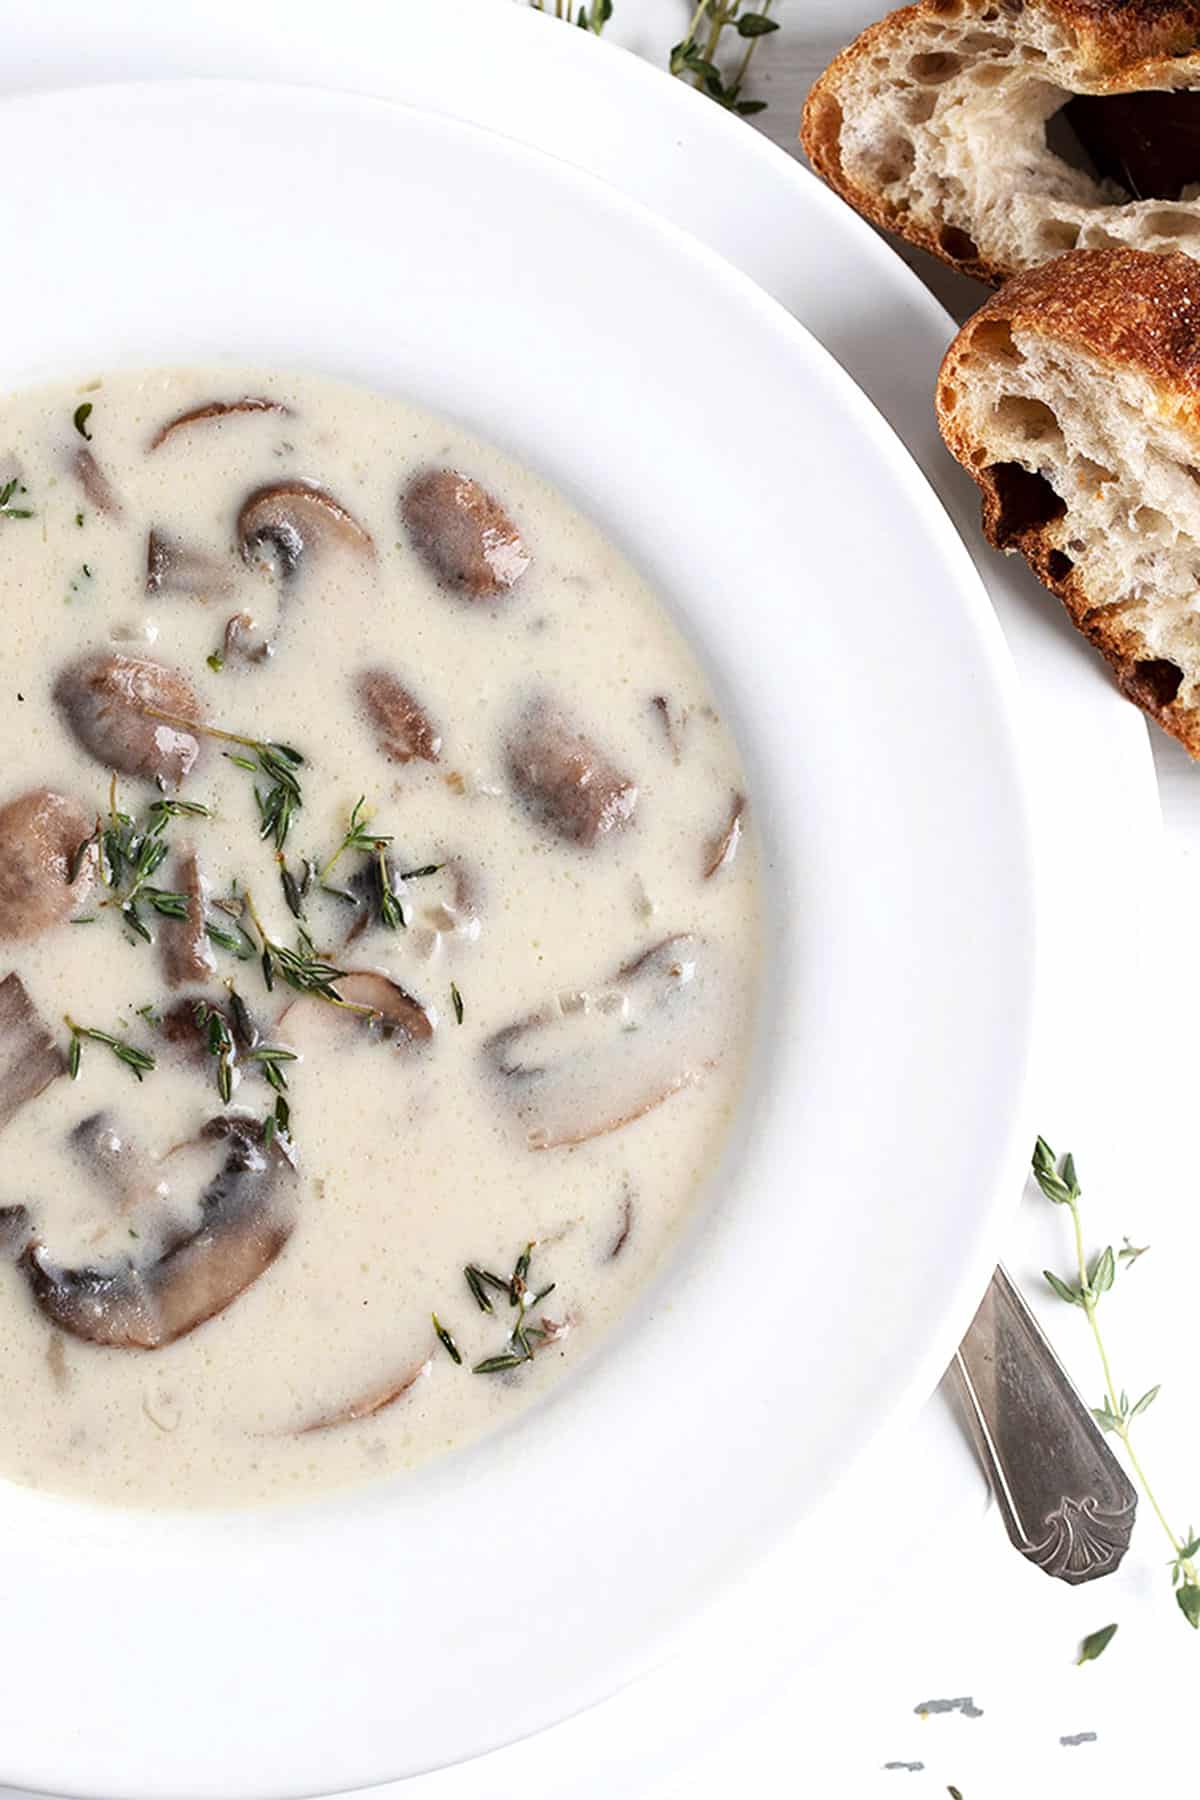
[(378, 933)]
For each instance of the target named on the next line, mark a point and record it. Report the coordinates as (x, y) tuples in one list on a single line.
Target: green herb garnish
[(1059, 1182), (447, 1341), (594, 21), (82, 414), (281, 801), (696, 55), (140, 1062), (1095, 1644), (7, 493), (456, 1001)]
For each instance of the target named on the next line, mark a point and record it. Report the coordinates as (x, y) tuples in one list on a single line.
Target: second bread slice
[(1073, 400)]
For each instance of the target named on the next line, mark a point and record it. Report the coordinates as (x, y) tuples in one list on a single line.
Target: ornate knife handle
[(1066, 1502)]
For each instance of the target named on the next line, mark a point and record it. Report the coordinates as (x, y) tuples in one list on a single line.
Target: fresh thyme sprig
[(7, 492), (302, 968), (278, 806), (696, 54), (129, 854), (375, 845), (1059, 1182), (519, 1346), (140, 1062)]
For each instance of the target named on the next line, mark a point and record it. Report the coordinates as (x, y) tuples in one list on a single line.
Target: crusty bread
[(1073, 400), (934, 124)]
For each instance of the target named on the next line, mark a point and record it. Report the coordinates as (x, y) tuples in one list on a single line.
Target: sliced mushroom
[(595, 1061), (29, 1057), (394, 1013), (107, 1153), (375, 1400), (173, 567), (16, 1230), (285, 523), (183, 943), (243, 642), (724, 847), (217, 409), (403, 728), (567, 781), (246, 1218), (463, 534), (41, 835), (95, 484), (105, 699)]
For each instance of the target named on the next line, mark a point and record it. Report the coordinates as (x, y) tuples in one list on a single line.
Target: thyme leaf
[(139, 1062), (82, 414)]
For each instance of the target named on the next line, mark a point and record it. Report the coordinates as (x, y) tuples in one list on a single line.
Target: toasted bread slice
[(1073, 400), (951, 123)]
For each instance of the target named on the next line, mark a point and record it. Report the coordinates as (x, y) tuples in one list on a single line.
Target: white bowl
[(851, 1226)]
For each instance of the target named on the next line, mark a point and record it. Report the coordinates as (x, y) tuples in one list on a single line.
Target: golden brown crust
[(1124, 46), (1129, 310)]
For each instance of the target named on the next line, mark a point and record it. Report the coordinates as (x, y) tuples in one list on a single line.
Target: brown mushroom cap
[(104, 699), (463, 534), (40, 835), (246, 1218), (216, 409), (566, 780), (403, 728), (285, 522)]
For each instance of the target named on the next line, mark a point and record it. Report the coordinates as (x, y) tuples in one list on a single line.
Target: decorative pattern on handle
[(1066, 1502), (1083, 1541)]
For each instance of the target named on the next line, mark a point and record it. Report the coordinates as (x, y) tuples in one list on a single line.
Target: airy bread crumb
[(1073, 400), (933, 124)]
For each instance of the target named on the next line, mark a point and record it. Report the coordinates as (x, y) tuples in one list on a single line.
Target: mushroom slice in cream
[(29, 1057), (246, 1218), (403, 729), (173, 567), (286, 524), (568, 783), (45, 871), (463, 534), (111, 703), (215, 409), (599, 1058)]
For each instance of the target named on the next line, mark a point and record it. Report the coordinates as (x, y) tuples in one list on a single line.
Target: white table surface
[(966, 1618)]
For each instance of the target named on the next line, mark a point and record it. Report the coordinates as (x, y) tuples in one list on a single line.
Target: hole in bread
[(957, 244), (1031, 53), (994, 339), (983, 41), (934, 66), (918, 107), (1154, 683), (891, 160), (1014, 8), (1148, 143), (1058, 566), (1030, 420), (1148, 518), (988, 75), (1174, 224), (945, 9), (1025, 501), (1057, 235), (1092, 475)]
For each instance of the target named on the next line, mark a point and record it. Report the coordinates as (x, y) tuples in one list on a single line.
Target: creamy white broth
[(411, 1158)]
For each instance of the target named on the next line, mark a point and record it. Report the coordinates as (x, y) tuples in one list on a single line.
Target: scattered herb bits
[(1095, 1644)]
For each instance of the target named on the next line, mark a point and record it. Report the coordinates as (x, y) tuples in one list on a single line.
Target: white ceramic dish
[(421, 1621)]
